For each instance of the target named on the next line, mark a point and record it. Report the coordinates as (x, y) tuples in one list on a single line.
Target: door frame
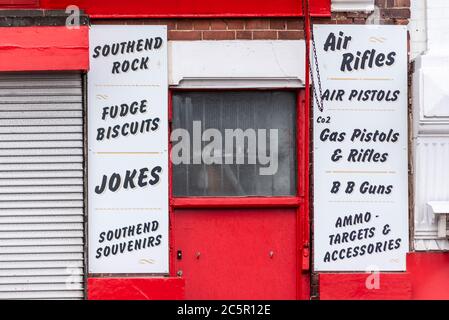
[(300, 201)]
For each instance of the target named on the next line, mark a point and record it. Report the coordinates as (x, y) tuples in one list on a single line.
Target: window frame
[(186, 199), (299, 202), (302, 137)]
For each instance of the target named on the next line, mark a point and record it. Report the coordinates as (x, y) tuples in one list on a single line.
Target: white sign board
[(128, 149), (360, 149)]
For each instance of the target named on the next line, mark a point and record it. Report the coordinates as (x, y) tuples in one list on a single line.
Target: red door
[(237, 254), (243, 247)]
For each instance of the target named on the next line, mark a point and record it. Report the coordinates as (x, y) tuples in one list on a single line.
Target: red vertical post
[(303, 210), (171, 215)]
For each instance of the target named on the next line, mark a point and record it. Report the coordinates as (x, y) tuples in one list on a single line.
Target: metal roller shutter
[(41, 186)]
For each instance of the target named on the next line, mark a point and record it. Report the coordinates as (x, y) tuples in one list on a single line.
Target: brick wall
[(224, 29), (389, 12)]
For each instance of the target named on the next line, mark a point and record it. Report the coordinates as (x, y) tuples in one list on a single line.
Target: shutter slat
[(40, 234), (39, 287), (41, 136), (19, 227), (41, 129), (42, 99), (41, 211), (39, 114), (41, 197), (42, 264), (42, 159), (42, 279), (35, 144), (41, 189), (41, 272), (41, 174), (25, 295), (41, 182), (41, 257), (40, 219), (41, 122), (39, 166), (41, 242), (40, 249), (33, 92), (41, 204)]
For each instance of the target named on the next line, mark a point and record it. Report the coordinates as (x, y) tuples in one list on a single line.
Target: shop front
[(161, 151), (233, 197), (93, 207)]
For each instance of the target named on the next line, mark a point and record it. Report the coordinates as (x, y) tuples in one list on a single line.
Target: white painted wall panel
[(418, 28), (352, 5), (237, 64), (431, 184), (429, 39)]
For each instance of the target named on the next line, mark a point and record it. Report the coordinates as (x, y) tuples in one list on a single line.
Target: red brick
[(171, 24), (184, 35), (356, 14), (133, 22), (265, 35), (257, 24), (235, 24), (402, 3), (218, 25), (145, 22), (201, 24), (218, 35), (386, 21), (290, 35), (324, 21), (403, 13), (338, 15), (295, 24), (401, 21), (244, 35), (277, 24), (351, 21), (184, 25), (359, 21)]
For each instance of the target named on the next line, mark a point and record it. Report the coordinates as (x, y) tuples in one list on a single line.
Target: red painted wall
[(44, 49), (135, 289), (352, 286), (19, 3), (427, 277), (189, 8), (430, 274)]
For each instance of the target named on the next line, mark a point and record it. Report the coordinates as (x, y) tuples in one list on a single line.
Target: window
[(262, 162)]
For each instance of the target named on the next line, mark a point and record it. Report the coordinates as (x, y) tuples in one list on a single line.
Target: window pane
[(230, 175)]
